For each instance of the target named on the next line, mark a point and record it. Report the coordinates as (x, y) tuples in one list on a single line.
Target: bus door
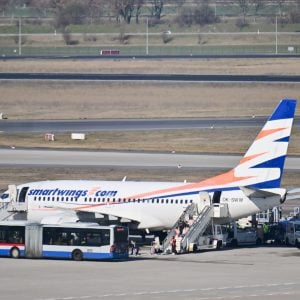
[(120, 241)]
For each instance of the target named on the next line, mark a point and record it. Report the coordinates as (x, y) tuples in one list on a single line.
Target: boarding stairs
[(190, 210), (5, 211), (196, 229)]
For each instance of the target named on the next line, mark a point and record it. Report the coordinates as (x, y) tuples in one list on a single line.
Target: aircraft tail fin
[(262, 165)]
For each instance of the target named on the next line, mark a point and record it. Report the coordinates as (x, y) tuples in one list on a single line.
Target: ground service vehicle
[(292, 235), (76, 241), (214, 237), (243, 236)]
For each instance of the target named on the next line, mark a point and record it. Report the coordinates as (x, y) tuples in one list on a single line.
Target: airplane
[(252, 186)]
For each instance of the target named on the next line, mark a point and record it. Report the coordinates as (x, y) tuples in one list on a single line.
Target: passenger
[(136, 250), (132, 246), (173, 245), (185, 230), (181, 224)]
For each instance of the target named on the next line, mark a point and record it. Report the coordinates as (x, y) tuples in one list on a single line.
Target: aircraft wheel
[(77, 255), (15, 252)]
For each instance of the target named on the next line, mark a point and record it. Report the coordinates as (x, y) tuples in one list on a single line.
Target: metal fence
[(165, 43)]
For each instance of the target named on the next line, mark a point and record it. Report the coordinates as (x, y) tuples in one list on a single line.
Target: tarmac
[(243, 273)]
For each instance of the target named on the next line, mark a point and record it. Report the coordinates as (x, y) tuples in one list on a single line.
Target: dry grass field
[(216, 140), (289, 66), (80, 100)]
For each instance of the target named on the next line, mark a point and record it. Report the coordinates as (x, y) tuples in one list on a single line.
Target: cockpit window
[(4, 196)]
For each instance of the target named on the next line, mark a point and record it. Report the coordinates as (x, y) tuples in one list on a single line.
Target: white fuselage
[(130, 200)]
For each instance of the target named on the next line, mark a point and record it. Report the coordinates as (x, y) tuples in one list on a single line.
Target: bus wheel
[(219, 245), (77, 255), (15, 252)]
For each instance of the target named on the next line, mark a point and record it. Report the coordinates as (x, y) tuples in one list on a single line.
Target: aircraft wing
[(143, 219), (71, 212)]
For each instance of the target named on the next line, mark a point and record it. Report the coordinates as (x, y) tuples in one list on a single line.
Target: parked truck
[(292, 235), (214, 237)]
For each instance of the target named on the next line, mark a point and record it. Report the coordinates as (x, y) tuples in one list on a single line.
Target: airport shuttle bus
[(75, 241)]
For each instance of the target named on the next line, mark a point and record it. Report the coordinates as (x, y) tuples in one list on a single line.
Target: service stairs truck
[(12, 205), (200, 230)]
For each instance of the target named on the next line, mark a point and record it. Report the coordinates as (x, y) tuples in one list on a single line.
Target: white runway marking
[(263, 293)]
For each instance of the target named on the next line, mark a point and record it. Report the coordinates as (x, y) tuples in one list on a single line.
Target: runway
[(35, 126), (19, 157)]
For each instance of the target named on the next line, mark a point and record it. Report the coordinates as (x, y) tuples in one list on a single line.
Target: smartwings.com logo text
[(71, 193)]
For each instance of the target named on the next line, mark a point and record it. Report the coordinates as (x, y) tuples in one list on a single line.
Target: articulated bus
[(75, 241)]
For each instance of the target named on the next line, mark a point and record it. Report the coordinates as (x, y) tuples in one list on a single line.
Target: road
[(21, 157), (150, 77), (150, 57), (243, 274), (11, 126)]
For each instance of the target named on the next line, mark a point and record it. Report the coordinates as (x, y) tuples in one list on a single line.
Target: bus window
[(12, 234)]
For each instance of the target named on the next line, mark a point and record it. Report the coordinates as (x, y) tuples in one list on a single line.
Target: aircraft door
[(22, 195), (13, 193), (204, 200), (216, 197), (21, 203)]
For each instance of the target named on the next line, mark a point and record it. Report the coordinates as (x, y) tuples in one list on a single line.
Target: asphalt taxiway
[(245, 273), (35, 157)]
